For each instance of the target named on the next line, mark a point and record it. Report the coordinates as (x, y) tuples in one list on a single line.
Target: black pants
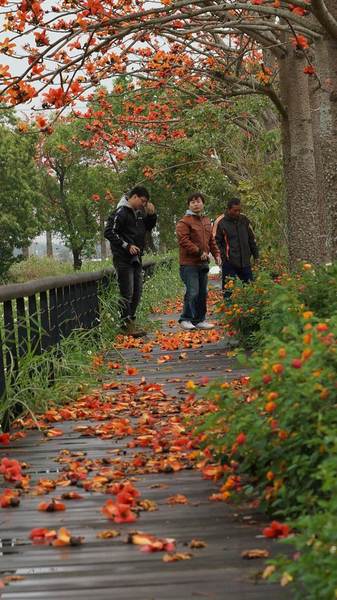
[(130, 282), (229, 271)]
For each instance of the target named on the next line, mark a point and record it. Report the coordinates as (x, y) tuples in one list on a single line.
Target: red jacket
[(195, 237)]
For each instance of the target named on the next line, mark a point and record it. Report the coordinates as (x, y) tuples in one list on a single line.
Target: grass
[(37, 267)]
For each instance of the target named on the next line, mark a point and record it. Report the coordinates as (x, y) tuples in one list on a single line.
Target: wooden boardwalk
[(112, 569)]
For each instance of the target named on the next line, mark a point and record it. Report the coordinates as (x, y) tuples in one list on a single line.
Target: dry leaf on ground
[(255, 553)]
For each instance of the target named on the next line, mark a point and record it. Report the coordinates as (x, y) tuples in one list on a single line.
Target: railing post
[(3, 384)]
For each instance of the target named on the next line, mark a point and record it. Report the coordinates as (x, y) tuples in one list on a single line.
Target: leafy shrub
[(313, 569), (274, 433), (284, 415), (264, 307)]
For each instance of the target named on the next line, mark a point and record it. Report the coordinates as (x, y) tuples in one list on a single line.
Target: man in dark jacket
[(126, 230), (235, 239)]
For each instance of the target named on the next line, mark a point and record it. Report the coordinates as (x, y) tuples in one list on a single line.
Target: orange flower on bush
[(190, 385), (241, 438), (276, 530), (322, 327), (307, 338), (278, 368)]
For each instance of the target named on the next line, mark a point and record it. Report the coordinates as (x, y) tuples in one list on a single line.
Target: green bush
[(274, 432), (313, 569), (264, 307)]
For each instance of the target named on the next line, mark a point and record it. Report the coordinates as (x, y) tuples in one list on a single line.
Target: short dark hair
[(139, 191), (194, 196), (233, 202)]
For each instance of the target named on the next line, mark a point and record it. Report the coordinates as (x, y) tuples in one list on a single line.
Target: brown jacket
[(195, 237)]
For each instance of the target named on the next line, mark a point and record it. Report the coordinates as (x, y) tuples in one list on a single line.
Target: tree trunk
[(304, 241), (77, 260), (104, 253), (149, 243), (25, 252), (327, 61), (324, 221), (49, 244)]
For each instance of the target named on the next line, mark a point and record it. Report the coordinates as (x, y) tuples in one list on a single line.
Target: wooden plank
[(112, 568)]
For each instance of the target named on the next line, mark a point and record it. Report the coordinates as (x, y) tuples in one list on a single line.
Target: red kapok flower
[(276, 530), (119, 513), (10, 469)]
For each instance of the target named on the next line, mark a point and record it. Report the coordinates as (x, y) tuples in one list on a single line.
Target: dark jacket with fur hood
[(236, 240), (126, 227)]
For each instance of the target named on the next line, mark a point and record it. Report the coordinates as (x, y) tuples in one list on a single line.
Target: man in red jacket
[(195, 239)]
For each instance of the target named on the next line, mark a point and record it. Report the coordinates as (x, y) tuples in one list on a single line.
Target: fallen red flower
[(51, 506), (9, 499), (119, 513), (276, 530), (150, 543), (10, 469), (41, 535)]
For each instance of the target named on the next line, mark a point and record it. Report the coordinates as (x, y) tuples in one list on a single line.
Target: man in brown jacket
[(195, 241)]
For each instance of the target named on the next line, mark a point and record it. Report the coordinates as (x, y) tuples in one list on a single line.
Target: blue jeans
[(229, 271), (195, 279)]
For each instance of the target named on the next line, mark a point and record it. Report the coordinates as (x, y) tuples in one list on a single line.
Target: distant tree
[(20, 196), (78, 187)]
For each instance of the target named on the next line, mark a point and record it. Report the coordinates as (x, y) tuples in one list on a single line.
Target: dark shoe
[(131, 329)]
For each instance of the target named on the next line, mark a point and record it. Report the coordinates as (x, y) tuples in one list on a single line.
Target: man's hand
[(133, 250), (204, 256), (150, 208), (218, 261)]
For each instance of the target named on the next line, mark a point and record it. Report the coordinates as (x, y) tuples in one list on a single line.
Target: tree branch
[(324, 17)]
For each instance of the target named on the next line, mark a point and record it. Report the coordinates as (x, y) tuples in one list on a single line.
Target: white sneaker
[(205, 325), (187, 325)]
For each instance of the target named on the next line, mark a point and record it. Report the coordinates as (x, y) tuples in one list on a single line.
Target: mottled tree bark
[(324, 222), (25, 252), (326, 51), (49, 244), (304, 240), (103, 246), (77, 258)]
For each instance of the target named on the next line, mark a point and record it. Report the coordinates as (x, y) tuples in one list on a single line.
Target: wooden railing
[(36, 315)]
